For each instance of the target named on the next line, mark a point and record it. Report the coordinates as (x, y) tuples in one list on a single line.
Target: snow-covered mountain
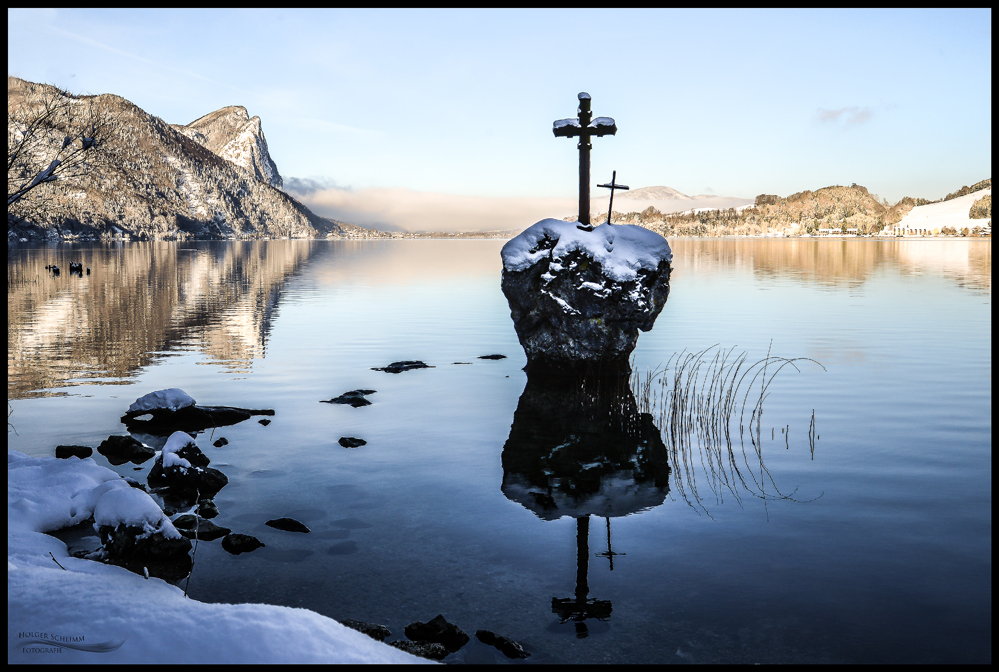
[(233, 135), (213, 178), (663, 199)]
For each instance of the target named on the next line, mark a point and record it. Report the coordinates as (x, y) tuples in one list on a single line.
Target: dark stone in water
[(288, 525), (163, 421), (134, 549), (193, 528), (372, 630), (351, 442), (121, 449), (221, 441), (399, 367), (64, 452), (493, 357), (207, 509), (240, 543), (185, 483), (431, 651), (438, 630), (353, 398), (510, 648), (264, 422)]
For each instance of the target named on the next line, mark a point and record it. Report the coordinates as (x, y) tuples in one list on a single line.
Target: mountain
[(835, 207), (663, 199), (233, 135), (213, 178)]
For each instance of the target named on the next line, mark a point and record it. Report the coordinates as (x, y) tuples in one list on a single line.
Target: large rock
[(136, 534), (579, 298)]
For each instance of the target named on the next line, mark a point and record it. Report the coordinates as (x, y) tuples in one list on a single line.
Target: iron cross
[(612, 186), (584, 126)]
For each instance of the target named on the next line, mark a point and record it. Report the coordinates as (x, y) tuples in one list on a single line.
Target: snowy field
[(953, 213), (61, 609)]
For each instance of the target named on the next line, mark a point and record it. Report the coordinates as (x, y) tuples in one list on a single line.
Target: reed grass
[(694, 399)]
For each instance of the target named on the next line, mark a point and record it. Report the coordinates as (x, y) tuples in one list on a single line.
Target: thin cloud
[(851, 116), (306, 186), (408, 210), (113, 50)]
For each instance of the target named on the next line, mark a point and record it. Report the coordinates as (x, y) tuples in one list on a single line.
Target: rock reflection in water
[(580, 450), (583, 450)]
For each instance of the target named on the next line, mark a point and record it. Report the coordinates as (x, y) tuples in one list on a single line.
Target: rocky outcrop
[(234, 136), (213, 178), (578, 298)]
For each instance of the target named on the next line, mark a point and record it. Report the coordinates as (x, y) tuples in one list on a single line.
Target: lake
[(846, 517)]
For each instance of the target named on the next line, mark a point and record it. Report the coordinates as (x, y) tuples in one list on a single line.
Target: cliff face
[(210, 179), (233, 135)]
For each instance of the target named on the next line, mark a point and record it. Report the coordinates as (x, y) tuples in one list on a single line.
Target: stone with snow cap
[(172, 399), (579, 298)]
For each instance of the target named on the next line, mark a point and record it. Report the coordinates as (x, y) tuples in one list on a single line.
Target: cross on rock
[(583, 126), (612, 186)]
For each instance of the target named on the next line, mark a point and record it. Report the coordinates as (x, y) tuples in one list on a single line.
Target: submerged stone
[(355, 398), (240, 543), (438, 630), (510, 648), (288, 525), (399, 367), (351, 442), (120, 449)]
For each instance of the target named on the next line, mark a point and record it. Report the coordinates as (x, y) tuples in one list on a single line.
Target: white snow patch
[(103, 603), (172, 399), (133, 508), (621, 249), (954, 213)]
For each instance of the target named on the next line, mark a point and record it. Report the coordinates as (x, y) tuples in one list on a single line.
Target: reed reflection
[(695, 398)]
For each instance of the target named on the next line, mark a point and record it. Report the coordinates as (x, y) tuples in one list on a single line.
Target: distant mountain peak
[(654, 194), (231, 133)]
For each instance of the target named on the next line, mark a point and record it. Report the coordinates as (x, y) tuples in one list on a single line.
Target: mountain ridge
[(167, 181)]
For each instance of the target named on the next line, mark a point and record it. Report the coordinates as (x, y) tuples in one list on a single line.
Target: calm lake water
[(851, 522)]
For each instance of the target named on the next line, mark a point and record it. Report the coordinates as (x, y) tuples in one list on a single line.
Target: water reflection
[(583, 450), (140, 301), (839, 262), (605, 448)]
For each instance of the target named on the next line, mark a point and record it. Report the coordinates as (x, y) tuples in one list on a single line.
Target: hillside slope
[(168, 181)]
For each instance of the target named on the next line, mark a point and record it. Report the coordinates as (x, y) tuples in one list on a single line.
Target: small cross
[(584, 126), (612, 186), (609, 553)]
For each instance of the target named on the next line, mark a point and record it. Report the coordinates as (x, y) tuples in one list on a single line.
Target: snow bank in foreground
[(52, 613), (621, 249)]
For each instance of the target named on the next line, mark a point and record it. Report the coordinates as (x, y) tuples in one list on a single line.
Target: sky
[(417, 118)]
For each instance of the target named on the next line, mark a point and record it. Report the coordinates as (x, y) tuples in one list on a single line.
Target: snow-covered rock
[(183, 468), (578, 298), (89, 612), (172, 399)]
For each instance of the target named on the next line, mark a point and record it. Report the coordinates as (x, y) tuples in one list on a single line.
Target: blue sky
[(726, 102)]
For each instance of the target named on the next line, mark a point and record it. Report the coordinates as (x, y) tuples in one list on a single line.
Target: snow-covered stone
[(126, 615), (172, 399), (578, 298)]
